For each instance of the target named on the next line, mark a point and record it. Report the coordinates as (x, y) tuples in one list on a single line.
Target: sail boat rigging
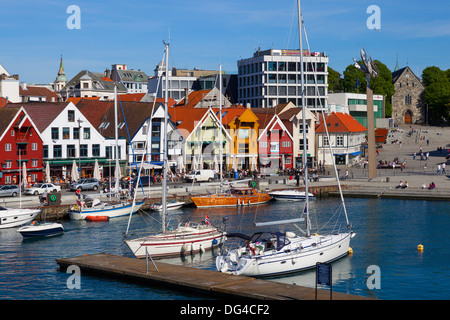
[(236, 196), (276, 253), (189, 237), (93, 207)]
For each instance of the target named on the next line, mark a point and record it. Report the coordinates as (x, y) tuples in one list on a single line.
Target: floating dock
[(201, 281)]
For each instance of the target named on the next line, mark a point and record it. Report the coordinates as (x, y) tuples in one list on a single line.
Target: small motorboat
[(41, 229)]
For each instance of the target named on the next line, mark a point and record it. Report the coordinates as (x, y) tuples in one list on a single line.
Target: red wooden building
[(20, 143), (275, 143)]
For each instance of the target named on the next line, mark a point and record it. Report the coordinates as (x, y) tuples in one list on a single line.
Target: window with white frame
[(34, 146), (326, 142), (34, 162), (339, 141), (8, 164), (8, 147)]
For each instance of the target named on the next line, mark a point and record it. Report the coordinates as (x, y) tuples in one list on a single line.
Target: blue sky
[(206, 33)]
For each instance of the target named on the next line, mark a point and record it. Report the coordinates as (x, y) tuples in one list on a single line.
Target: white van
[(201, 175)]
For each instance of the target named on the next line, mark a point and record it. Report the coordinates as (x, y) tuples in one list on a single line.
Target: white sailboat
[(189, 237), (93, 207), (277, 253)]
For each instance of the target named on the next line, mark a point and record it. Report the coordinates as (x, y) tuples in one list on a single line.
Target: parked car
[(40, 188), (9, 191), (85, 184), (201, 175)]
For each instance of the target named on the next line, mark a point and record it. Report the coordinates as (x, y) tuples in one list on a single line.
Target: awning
[(145, 166), (355, 153)]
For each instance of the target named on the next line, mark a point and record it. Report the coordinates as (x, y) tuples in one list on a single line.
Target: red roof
[(194, 98), (340, 122), (31, 91), (3, 102)]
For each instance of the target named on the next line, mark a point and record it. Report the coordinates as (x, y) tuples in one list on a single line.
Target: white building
[(180, 81), (9, 85), (134, 80), (68, 135), (91, 84), (355, 104), (272, 77), (346, 138)]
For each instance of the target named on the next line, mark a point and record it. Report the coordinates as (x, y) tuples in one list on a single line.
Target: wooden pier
[(196, 280)]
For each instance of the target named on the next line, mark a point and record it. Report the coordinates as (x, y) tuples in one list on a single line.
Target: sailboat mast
[(116, 132), (305, 168), (220, 128), (165, 163)]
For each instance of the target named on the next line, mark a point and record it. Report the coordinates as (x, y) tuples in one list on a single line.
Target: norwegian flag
[(207, 220)]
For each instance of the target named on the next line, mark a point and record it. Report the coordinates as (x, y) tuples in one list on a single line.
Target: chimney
[(108, 73), (186, 96)]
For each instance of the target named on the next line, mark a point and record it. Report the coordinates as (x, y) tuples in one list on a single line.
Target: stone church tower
[(407, 103)]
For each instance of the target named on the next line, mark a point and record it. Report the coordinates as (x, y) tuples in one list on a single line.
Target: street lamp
[(79, 146)]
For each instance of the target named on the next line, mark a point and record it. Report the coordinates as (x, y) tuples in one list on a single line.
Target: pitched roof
[(42, 113), (7, 114), (38, 92), (75, 100), (101, 115), (340, 122), (98, 82), (185, 119), (193, 98), (3, 102)]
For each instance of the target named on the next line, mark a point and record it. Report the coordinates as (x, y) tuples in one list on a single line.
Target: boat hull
[(11, 218), (230, 200), (169, 206), (176, 243), (41, 230), (111, 211), (290, 195), (300, 255)]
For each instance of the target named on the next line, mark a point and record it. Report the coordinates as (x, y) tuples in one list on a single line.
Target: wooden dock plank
[(194, 279)]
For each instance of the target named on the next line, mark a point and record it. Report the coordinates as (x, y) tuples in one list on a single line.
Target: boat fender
[(184, 247), (420, 248), (192, 247), (202, 249), (214, 242), (350, 250), (290, 234)]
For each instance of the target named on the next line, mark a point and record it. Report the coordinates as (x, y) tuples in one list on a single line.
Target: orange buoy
[(97, 218)]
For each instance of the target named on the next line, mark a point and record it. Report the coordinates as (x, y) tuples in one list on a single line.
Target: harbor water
[(384, 251)]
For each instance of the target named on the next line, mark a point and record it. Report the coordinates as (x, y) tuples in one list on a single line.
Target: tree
[(437, 93), (355, 81), (334, 80)]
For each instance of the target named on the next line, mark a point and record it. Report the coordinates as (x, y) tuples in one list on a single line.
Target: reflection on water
[(388, 232)]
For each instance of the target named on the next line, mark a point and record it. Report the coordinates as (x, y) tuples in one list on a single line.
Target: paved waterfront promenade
[(417, 172)]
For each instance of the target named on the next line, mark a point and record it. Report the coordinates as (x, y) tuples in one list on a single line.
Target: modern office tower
[(272, 77)]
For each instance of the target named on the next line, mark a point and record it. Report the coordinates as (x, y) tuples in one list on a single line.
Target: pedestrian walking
[(438, 171), (443, 168)]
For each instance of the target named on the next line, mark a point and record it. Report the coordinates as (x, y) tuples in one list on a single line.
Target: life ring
[(52, 198)]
